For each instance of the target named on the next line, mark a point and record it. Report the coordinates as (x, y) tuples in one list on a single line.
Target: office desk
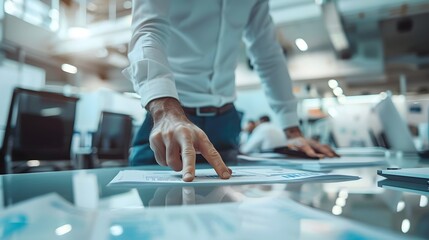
[(273, 211)]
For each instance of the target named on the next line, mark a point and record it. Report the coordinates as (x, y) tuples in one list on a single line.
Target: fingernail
[(230, 171), (187, 176), (226, 175)]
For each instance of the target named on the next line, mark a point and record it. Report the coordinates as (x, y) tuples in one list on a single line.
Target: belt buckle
[(201, 114)]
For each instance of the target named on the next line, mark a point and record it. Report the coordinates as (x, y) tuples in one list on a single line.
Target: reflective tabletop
[(367, 208)]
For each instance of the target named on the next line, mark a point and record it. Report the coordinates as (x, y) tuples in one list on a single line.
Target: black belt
[(208, 111)]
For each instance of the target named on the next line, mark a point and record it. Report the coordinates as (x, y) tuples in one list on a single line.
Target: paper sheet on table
[(240, 175), (313, 165), (45, 217)]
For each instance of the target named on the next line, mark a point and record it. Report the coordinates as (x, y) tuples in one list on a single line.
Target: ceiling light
[(340, 202), (66, 228), (68, 68), (301, 44), (337, 210), (405, 227), (423, 201), (332, 83), (343, 194), (78, 32), (127, 5), (400, 206), (116, 230), (338, 91)]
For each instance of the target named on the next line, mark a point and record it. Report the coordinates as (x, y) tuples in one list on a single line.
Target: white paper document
[(240, 175), (45, 217), (313, 165)]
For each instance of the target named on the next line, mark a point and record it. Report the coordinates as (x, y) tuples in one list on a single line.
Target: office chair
[(112, 140), (39, 127)]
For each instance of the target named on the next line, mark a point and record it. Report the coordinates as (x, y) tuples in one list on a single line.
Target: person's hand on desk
[(309, 146), (175, 140)]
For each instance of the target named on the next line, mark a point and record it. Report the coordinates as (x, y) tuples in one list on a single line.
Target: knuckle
[(183, 130), (204, 140), (188, 151), (168, 134), (155, 137), (213, 153)]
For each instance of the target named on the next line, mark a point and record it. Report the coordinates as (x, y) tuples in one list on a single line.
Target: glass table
[(79, 204)]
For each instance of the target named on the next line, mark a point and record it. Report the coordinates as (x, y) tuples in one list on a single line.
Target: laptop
[(410, 175), (397, 135), (404, 186)]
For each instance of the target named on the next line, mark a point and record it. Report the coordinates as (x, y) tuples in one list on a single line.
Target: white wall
[(92, 103), (253, 104)]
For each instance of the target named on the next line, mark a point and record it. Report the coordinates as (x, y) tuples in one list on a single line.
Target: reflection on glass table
[(359, 208)]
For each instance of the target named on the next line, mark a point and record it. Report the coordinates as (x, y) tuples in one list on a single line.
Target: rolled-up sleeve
[(267, 57), (149, 69)]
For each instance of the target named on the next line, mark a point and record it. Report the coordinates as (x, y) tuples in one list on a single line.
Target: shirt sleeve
[(149, 69), (269, 62)]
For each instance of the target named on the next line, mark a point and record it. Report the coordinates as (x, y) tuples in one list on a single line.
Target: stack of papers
[(313, 165), (362, 151), (240, 175)]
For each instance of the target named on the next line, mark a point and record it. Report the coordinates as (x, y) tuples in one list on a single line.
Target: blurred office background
[(344, 56)]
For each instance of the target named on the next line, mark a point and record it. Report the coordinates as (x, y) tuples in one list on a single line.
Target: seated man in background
[(266, 136), (246, 132)]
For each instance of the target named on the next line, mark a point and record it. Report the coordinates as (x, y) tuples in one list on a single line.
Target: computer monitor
[(113, 137), (39, 126), (395, 130)]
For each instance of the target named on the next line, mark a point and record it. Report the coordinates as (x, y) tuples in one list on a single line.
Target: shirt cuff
[(157, 88), (152, 89)]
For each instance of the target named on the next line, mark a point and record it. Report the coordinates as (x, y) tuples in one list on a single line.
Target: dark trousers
[(223, 131)]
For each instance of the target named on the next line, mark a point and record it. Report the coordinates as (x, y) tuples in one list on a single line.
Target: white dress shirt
[(266, 136), (188, 50)]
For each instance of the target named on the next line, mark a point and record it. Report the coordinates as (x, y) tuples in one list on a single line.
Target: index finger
[(213, 157), (324, 149), (188, 159), (307, 149)]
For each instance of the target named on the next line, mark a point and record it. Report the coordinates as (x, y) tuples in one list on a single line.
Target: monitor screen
[(113, 138), (395, 129), (40, 125)]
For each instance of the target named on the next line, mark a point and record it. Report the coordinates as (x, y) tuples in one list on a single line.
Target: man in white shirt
[(266, 136), (246, 132), (183, 54)]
